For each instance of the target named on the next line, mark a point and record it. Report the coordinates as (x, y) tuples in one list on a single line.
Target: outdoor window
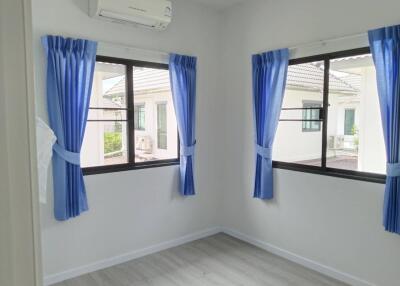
[(139, 117), (349, 127), (162, 125), (310, 113), (334, 98), (131, 121)]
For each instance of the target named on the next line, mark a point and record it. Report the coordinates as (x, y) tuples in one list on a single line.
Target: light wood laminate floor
[(215, 260)]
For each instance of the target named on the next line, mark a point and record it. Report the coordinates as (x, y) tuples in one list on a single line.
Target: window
[(162, 126), (311, 113), (139, 118), (334, 98), (349, 128), (131, 121)]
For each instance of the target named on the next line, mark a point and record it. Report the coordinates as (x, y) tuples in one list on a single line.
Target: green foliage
[(112, 142)]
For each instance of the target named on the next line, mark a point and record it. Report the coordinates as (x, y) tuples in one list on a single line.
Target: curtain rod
[(325, 42), (143, 50), (125, 46), (303, 45)]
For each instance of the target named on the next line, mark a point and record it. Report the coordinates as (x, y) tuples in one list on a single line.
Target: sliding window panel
[(299, 134), (355, 137)]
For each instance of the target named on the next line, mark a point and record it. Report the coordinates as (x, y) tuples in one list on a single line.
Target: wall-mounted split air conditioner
[(154, 14)]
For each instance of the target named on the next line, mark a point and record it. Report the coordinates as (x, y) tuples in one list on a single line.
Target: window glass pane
[(156, 134), (355, 137), (109, 89), (107, 114), (105, 143), (299, 140)]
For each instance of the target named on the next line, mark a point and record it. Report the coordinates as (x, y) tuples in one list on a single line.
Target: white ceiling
[(218, 4)]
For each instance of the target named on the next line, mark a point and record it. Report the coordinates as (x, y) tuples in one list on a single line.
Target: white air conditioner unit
[(154, 14), (144, 143)]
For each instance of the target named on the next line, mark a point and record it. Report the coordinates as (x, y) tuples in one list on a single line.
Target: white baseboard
[(58, 277), (326, 270)]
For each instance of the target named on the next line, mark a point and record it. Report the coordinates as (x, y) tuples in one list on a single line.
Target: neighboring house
[(352, 97)]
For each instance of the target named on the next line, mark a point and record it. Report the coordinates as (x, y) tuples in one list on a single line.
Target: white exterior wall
[(372, 147)]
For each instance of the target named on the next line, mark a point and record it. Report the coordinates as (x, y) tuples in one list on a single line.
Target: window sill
[(340, 173), (127, 167)]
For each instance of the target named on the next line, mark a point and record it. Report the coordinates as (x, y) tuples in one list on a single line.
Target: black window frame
[(323, 169), (130, 108)]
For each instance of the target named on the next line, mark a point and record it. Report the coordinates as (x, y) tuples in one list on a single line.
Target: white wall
[(332, 221), (136, 209)]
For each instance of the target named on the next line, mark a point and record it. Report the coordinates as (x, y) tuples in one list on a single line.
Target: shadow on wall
[(175, 195)]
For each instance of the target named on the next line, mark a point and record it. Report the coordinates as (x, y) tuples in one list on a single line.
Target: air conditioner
[(144, 143), (154, 14), (335, 142)]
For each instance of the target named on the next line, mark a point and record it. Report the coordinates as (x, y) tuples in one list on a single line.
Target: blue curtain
[(70, 68), (269, 80), (183, 82), (385, 48)]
